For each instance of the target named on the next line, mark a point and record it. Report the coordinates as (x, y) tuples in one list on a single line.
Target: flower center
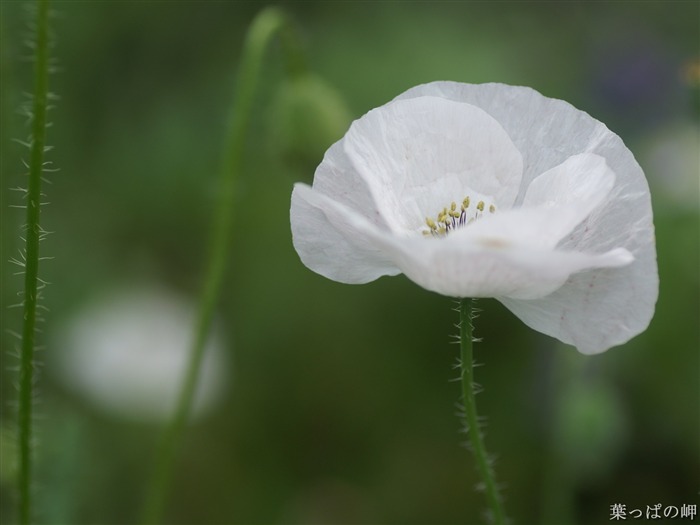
[(452, 218)]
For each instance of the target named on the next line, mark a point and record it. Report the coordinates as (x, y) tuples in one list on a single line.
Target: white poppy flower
[(489, 191)]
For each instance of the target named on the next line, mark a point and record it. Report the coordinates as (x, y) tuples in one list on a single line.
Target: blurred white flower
[(127, 354), (489, 191)]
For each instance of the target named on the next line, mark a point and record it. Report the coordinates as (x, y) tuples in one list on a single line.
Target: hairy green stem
[(31, 263), (482, 461), (264, 27)]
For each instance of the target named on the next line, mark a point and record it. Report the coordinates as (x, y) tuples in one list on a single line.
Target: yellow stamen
[(451, 217)]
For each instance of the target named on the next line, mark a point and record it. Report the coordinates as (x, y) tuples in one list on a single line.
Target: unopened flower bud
[(306, 117)]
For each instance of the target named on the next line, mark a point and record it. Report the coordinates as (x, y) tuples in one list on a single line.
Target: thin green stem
[(477, 441), (31, 264), (264, 27)]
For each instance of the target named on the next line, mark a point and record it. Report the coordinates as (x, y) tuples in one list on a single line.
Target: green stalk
[(477, 441), (31, 263), (266, 24)]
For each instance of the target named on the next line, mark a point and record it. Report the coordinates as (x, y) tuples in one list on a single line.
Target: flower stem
[(31, 259), (266, 24), (482, 461)]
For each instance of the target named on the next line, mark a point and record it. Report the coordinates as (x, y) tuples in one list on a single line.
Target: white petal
[(597, 309), (338, 179), (556, 202), (580, 178), (572, 190), (538, 228), (339, 243), (546, 131), (589, 311), (466, 269), (329, 241), (419, 155)]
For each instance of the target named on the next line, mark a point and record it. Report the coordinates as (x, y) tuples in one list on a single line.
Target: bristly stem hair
[(267, 24), (33, 235), (471, 419)]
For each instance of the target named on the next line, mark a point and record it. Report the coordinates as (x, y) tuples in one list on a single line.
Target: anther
[(450, 218)]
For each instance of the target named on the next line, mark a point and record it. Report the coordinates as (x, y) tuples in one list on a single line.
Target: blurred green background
[(338, 407)]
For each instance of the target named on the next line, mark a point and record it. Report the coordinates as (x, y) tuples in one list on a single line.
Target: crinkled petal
[(597, 309), (556, 202), (419, 155), (328, 240), (337, 178), (448, 266), (584, 178), (584, 313), (464, 269)]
